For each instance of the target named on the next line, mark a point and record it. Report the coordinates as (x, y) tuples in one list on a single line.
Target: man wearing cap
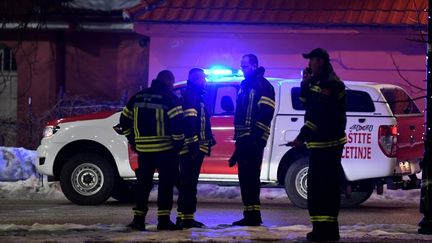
[(323, 95)]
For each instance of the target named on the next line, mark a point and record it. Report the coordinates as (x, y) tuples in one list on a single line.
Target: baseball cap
[(317, 52)]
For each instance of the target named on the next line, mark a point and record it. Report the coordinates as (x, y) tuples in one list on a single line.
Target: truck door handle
[(361, 120), (294, 119)]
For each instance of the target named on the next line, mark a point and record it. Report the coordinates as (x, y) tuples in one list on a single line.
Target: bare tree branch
[(403, 77)]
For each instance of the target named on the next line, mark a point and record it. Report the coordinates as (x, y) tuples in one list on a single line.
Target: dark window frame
[(366, 105)]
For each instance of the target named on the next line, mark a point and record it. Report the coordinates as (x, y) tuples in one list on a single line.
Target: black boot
[(178, 221), (324, 231), (138, 223), (191, 223), (165, 223), (425, 226), (251, 218)]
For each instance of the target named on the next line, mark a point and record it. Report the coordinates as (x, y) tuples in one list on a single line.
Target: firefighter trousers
[(323, 185), (166, 163), (189, 172), (249, 160), (426, 190)]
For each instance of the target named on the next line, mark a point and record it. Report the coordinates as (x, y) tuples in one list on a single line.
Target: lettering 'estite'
[(362, 137)]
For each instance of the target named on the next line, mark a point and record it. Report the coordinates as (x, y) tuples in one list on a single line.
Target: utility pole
[(426, 184)]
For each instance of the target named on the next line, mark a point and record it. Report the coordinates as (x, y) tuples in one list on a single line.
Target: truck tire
[(87, 179), (360, 194), (124, 191), (296, 182), (296, 187)]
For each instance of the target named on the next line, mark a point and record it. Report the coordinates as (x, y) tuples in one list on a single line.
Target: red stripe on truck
[(93, 116)]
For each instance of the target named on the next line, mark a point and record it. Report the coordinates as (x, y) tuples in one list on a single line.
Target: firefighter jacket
[(254, 110), (325, 118), (196, 120), (152, 120)]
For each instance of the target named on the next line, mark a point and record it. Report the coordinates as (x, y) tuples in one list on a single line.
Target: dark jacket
[(325, 117), (197, 127), (254, 110), (152, 120)]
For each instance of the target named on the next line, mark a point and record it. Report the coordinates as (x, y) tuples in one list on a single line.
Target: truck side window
[(225, 100), (399, 101), (357, 101)]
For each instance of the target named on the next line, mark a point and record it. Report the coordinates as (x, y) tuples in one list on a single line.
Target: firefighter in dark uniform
[(253, 115), (151, 122), (323, 94), (198, 141)]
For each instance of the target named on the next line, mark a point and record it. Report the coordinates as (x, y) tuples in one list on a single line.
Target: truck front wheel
[(87, 179), (296, 182)]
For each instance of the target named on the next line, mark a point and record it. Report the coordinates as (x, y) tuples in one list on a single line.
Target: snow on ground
[(119, 233), (18, 179)]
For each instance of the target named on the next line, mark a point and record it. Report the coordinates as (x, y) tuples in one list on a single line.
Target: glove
[(233, 160), (194, 149), (118, 129), (212, 142), (178, 146)]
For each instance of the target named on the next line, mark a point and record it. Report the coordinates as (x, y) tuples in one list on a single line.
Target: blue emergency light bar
[(220, 72)]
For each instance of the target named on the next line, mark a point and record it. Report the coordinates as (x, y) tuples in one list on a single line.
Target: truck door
[(409, 120), (220, 101)]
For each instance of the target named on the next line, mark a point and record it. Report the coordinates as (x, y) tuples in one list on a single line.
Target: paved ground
[(106, 222)]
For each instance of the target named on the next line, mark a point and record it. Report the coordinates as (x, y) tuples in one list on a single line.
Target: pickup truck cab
[(384, 132)]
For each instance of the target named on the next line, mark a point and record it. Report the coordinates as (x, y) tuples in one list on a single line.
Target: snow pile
[(19, 178), (17, 164), (35, 187)]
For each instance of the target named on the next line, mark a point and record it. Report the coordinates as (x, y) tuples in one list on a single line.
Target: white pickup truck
[(384, 130)]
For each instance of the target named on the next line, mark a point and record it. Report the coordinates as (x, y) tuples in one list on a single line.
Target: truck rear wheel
[(360, 193), (296, 186), (87, 179), (124, 191)]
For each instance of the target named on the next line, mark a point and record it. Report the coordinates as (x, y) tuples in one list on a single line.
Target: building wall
[(96, 67), (357, 54), (101, 66)]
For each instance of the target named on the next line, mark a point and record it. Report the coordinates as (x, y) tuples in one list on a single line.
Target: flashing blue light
[(220, 72)]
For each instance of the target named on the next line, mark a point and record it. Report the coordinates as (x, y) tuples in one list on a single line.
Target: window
[(7, 60), (219, 99), (357, 101), (399, 101), (225, 100)]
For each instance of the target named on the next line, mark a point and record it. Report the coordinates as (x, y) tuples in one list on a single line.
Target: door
[(409, 121), (220, 101)]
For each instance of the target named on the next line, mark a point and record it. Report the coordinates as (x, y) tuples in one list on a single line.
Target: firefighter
[(254, 112), (323, 95), (198, 142), (151, 122)]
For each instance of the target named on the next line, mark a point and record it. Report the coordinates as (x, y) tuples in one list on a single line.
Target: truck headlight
[(49, 131)]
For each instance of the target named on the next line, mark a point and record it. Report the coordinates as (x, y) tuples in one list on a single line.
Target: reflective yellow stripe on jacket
[(327, 144), (266, 101)]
